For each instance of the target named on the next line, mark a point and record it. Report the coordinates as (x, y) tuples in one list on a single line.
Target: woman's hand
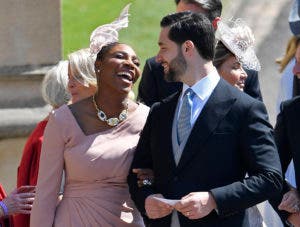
[(290, 201), (145, 176), (294, 219), (20, 200)]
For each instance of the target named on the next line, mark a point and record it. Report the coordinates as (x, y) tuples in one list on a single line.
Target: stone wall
[(30, 33)]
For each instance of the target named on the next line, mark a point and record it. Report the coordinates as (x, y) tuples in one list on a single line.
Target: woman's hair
[(221, 54), (54, 85), (289, 53), (102, 53), (82, 67)]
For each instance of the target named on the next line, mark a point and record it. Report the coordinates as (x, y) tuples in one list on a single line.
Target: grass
[(80, 18)]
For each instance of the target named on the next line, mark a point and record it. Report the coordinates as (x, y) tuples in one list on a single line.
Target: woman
[(77, 76), (288, 81), (234, 51), (18, 201), (93, 140), (82, 78)]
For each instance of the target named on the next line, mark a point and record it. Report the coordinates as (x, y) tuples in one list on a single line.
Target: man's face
[(170, 57), (182, 6)]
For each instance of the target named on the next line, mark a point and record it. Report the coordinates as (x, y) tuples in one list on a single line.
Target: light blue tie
[(184, 121)]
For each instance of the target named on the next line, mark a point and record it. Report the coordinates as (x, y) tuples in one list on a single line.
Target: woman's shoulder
[(61, 114), (63, 118)]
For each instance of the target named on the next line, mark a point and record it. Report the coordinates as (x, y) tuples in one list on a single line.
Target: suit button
[(175, 178)]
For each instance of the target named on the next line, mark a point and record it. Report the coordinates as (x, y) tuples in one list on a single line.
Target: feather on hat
[(108, 33)]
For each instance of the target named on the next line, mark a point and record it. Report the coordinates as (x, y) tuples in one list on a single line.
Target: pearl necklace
[(114, 121)]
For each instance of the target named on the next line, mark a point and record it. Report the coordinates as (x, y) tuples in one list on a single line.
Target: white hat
[(108, 33), (239, 39)]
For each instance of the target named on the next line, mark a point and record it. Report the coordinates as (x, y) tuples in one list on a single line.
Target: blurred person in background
[(287, 130), (19, 201), (82, 77)]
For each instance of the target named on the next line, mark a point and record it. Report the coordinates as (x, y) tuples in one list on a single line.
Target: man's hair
[(191, 26), (213, 8)]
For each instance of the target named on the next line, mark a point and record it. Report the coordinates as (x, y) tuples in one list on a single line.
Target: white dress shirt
[(203, 89)]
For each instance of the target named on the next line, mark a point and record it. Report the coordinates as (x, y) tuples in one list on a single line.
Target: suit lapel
[(217, 106), (168, 113)]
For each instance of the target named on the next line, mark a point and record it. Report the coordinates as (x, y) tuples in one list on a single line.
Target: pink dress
[(96, 166)]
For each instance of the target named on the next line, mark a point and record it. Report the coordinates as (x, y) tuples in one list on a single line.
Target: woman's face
[(77, 90), (296, 69), (232, 71), (119, 69), (297, 54)]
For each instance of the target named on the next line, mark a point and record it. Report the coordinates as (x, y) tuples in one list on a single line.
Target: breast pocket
[(220, 142)]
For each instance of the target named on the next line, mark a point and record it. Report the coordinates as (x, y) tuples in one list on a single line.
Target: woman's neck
[(111, 104)]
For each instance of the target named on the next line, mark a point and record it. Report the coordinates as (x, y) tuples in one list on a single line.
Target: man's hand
[(294, 219), (196, 205), (155, 208), (290, 201)]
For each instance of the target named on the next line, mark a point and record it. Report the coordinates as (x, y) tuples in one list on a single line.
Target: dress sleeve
[(49, 176)]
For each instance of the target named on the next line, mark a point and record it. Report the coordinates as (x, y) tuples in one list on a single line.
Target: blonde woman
[(81, 73)]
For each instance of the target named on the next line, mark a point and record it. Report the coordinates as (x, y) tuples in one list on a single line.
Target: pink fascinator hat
[(108, 33), (239, 39)]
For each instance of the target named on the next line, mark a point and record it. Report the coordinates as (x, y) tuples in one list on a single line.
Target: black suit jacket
[(153, 87), (232, 136), (287, 137)]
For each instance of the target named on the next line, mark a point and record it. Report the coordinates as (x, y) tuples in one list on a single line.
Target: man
[(287, 132), (202, 141), (154, 88)]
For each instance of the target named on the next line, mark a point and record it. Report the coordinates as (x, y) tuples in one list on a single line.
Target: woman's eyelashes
[(124, 56)]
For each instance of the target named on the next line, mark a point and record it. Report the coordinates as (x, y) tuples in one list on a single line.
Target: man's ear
[(188, 47)]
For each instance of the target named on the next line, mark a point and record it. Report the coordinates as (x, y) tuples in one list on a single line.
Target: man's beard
[(177, 67)]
